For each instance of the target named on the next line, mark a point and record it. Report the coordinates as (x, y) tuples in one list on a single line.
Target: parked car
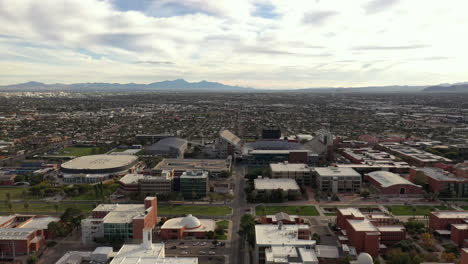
[(184, 252), (212, 253), (201, 252), (174, 247)]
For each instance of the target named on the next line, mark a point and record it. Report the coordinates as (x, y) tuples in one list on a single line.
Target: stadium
[(99, 164)]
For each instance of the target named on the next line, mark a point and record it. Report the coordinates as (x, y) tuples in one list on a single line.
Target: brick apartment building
[(369, 233)]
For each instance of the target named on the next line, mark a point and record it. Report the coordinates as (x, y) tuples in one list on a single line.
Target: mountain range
[(181, 85)]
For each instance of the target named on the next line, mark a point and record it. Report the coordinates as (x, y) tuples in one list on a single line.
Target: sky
[(254, 43)]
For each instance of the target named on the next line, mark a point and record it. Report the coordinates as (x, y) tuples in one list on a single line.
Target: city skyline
[(253, 43)]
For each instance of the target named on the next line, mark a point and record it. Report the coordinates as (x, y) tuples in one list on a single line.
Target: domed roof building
[(189, 225), (365, 258)]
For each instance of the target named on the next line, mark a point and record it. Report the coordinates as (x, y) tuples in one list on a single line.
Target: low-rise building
[(337, 180), (147, 184), (187, 226), (443, 220), (391, 184), (171, 147), (411, 155), (300, 172), (442, 182), (285, 218), (194, 184), (290, 236), (215, 167), (122, 221), (267, 184), (23, 234), (368, 234)]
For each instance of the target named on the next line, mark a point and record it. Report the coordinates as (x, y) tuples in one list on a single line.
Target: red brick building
[(392, 184), (459, 234), (23, 234), (370, 233), (443, 220), (464, 256), (442, 181)]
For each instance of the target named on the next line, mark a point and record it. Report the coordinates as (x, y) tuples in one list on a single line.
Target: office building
[(337, 180), (147, 184), (121, 221), (194, 184), (277, 239), (286, 185), (411, 155), (300, 172), (215, 167)]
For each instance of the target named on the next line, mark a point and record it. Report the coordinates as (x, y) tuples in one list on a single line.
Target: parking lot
[(197, 247)]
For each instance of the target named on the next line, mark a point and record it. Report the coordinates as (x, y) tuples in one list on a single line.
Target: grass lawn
[(308, 210), (44, 208), (16, 193), (78, 151), (220, 196), (194, 210), (224, 224), (464, 207), (419, 209), (91, 195)]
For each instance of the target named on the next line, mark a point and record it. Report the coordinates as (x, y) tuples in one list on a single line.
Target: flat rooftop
[(40, 222), (387, 179), (393, 228), (362, 225), (336, 171), (290, 167), (134, 178), (451, 214), (273, 184), (351, 211), (138, 254), (121, 213), (16, 233), (193, 164), (440, 174), (271, 235)]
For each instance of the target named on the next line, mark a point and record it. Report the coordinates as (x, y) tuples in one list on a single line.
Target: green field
[(194, 210), (43, 208), (308, 210), (464, 207), (16, 193), (78, 151), (418, 209)]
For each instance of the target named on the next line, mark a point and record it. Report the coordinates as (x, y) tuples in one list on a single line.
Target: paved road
[(238, 246)]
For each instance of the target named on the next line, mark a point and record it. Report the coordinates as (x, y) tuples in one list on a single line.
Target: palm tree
[(56, 207), (26, 207), (8, 196), (10, 206)]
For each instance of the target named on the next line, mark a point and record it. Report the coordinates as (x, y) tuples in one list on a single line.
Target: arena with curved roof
[(99, 164)]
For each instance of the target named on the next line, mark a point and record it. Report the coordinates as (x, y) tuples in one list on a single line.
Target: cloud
[(318, 17), (298, 43), (375, 6), (402, 47)]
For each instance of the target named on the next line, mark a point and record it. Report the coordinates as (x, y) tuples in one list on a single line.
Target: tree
[(56, 207), (365, 194), (427, 240), (247, 229), (31, 260), (420, 179), (8, 196), (26, 207), (448, 257), (396, 256)]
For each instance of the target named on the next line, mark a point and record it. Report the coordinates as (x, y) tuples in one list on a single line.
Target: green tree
[(26, 207), (10, 207), (8, 196), (31, 260), (365, 194), (247, 229), (56, 207)]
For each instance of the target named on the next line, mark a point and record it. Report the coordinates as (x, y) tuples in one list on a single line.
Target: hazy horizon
[(250, 43)]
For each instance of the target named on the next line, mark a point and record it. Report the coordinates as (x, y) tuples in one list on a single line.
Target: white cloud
[(303, 44)]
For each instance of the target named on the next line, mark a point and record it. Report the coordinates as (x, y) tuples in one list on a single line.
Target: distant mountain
[(179, 85), (369, 89), (455, 88)]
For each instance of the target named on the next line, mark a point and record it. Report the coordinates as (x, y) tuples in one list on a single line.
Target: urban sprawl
[(268, 178)]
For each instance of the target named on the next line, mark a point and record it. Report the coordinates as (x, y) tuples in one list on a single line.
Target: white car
[(184, 253), (203, 244), (195, 243), (202, 252), (211, 253)]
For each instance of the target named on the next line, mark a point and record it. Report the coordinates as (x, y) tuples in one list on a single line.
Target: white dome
[(190, 222), (365, 258)]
